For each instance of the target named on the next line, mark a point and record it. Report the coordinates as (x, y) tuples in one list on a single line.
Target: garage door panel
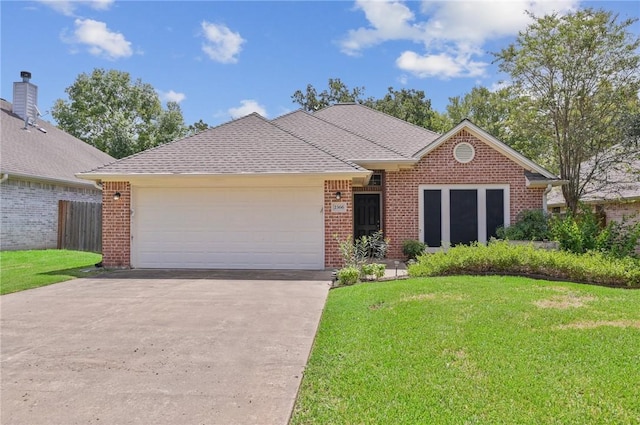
[(228, 228)]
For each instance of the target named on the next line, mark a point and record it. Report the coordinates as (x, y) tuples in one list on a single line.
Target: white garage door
[(238, 228)]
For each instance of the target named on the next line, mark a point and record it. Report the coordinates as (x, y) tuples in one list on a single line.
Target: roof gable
[(248, 145), (51, 154), (496, 144)]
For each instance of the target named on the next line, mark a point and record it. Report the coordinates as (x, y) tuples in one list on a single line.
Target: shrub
[(348, 275), (375, 270), (582, 232), (366, 248), (530, 225), (502, 257), (619, 239), (412, 249)]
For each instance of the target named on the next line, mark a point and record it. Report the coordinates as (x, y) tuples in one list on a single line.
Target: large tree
[(577, 77), (117, 115)]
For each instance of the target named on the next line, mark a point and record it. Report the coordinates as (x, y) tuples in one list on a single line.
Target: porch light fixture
[(116, 196), (338, 196)]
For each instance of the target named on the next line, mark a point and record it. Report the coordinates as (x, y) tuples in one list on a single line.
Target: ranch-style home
[(255, 193)]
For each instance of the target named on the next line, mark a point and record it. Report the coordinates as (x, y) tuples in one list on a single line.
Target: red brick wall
[(337, 226), (116, 225), (401, 215)]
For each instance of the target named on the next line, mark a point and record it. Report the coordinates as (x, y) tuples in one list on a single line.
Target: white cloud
[(451, 32), (100, 40), (221, 45), (247, 107), (68, 7), (171, 96), (440, 65)]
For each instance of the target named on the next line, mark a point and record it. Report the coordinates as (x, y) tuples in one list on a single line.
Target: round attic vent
[(464, 152)]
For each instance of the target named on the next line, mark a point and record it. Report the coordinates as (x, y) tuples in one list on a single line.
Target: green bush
[(582, 233), (348, 275), (530, 225), (619, 239), (375, 270), (503, 257), (412, 249)]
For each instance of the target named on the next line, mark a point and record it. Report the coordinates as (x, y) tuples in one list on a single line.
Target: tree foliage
[(576, 77), (407, 104), (494, 111), (197, 127), (117, 115), (337, 92)]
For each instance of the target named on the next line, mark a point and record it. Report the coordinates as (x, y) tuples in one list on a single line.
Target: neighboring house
[(259, 194), (614, 191), (38, 163)]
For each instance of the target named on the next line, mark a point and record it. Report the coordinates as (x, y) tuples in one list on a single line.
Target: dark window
[(432, 218), (376, 179), (464, 216), (495, 211)]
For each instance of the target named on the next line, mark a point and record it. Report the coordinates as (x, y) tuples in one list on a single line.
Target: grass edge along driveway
[(461, 349), (20, 270)]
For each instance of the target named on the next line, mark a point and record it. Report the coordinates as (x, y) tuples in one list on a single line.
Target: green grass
[(20, 270), (474, 350)]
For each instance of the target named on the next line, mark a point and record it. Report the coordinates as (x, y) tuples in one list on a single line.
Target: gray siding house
[(38, 163)]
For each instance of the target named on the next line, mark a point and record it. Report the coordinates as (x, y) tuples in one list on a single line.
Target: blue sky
[(224, 59)]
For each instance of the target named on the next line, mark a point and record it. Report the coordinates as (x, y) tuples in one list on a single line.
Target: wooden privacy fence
[(80, 226)]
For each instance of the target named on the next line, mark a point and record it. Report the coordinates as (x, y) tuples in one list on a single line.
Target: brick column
[(116, 225), (338, 226)]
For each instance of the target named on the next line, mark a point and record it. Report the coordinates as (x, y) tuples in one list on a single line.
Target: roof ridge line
[(339, 158), (389, 115), (359, 135)]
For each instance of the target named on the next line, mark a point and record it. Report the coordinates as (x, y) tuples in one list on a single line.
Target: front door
[(366, 214)]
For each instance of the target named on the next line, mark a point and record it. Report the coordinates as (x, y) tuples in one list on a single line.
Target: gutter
[(49, 180), (4, 178), (544, 197)]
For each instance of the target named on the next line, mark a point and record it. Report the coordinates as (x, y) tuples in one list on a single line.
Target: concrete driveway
[(159, 347)]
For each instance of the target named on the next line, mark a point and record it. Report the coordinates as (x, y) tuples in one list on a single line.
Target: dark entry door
[(366, 214), (464, 216)]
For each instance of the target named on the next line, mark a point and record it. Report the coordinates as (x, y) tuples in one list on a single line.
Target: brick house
[(38, 163), (257, 193)]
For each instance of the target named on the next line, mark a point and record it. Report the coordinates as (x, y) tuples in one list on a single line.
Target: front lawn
[(474, 350), (20, 270)]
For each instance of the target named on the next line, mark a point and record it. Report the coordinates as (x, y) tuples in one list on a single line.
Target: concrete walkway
[(159, 347)]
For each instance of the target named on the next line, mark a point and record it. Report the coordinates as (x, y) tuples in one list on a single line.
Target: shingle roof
[(54, 155), (337, 140), (386, 130), (248, 145)]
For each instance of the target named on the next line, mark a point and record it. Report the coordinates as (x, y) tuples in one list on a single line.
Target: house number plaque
[(338, 207)]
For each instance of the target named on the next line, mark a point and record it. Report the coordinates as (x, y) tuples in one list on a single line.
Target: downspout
[(4, 178), (544, 198), (97, 185)]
